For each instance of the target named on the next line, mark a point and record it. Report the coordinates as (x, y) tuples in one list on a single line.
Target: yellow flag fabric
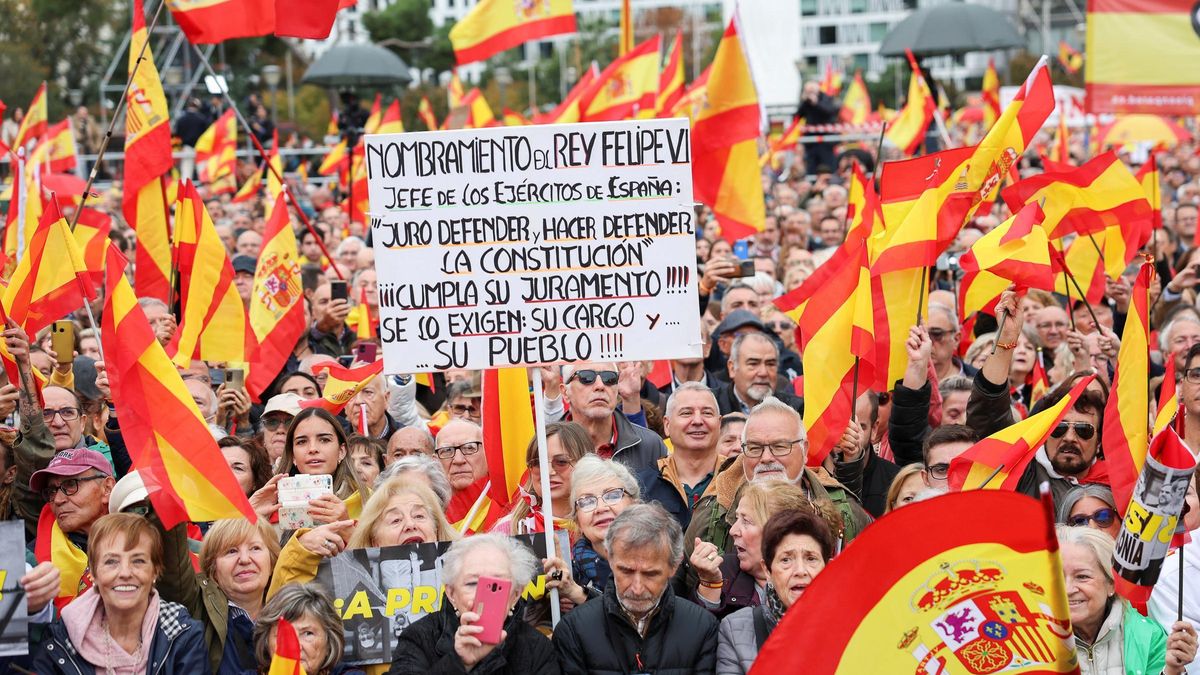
[(493, 26), (627, 88), (507, 429)]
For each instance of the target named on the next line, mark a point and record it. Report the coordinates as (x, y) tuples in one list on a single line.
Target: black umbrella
[(358, 65), (953, 28)]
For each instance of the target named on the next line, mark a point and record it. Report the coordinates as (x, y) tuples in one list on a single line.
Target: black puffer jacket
[(427, 647), (598, 639)]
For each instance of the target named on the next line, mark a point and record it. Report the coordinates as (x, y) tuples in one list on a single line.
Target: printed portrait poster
[(14, 623)]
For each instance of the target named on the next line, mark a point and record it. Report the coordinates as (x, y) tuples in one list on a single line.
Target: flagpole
[(854, 393), (1067, 286), (921, 291), (539, 415), (1179, 602), (1082, 296), (287, 193), (878, 174)]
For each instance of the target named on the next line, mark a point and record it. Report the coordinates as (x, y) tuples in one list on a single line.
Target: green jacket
[(180, 583), (1145, 644)]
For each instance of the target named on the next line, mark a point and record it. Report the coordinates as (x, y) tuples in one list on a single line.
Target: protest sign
[(543, 244), (14, 630), (380, 591)]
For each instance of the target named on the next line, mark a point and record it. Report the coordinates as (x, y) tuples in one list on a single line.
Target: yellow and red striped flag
[(277, 301), (56, 151), (53, 546), (998, 461), (1069, 57), (172, 448), (725, 171), (253, 185), (375, 118), (1015, 252), (1168, 398), (567, 112), (1060, 152), (13, 217), (671, 81), (1148, 176), (991, 95), (1038, 379), (287, 659), (455, 91), (357, 203), (493, 26), (338, 159), (148, 163), (1142, 75), (50, 280), (216, 149), (331, 129), (856, 104), (693, 99), (831, 81), (1126, 436), (213, 325), (507, 419), (479, 114), (625, 38), (91, 234), (788, 140), (1083, 260), (476, 497), (359, 318), (862, 204), (391, 123), (907, 130), (512, 118), (342, 385), (37, 119), (272, 178), (425, 112), (627, 88)]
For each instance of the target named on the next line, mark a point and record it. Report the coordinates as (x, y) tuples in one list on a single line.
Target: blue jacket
[(177, 649)]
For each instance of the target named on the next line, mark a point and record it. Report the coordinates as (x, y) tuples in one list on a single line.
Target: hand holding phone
[(62, 339), (338, 290), (491, 604)]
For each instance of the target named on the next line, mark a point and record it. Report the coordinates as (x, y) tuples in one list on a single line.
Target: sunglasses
[(588, 377), (1084, 430), (1103, 518)]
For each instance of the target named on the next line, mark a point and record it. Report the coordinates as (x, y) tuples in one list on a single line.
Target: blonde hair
[(766, 498), (1097, 541), (907, 471), (364, 533), (230, 532)]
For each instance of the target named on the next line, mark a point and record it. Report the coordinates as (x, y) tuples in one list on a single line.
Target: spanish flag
[(277, 301), (953, 597), (991, 95), (91, 235), (50, 280), (375, 118), (998, 461), (171, 446), (1015, 252), (625, 41), (455, 92), (391, 122), (788, 140), (512, 118), (488, 511), (1084, 261), (507, 429), (1126, 437), (831, 82), (627, 88), (336, 160), (360, 318), (53, 546), (33, 125), (253, 185), (493, 26), (1168, 397), (213, 324), (1069, 57), (1148, 176), (425, 112), (358, 201), (1039, 380), (287, 659), (56, 152), (1060, 152), (671, 81), (1142, 75), (725, 172), (148, 163), (342, 385), (862, 204), (479, 113), (216, 149), (567, 112), (694, 98), (907, 130), (856, 104)]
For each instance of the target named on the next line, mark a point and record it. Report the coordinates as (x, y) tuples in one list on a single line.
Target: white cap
[(127, 492)]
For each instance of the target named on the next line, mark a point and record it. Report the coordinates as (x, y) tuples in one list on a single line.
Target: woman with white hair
[(600, 490), (448, 640), (421, 468)]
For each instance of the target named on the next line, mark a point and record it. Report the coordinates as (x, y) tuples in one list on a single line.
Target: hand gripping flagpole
[(539, 415)]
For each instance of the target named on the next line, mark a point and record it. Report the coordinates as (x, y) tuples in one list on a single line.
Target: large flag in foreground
[(171, 446), (507, 427), (213, 21), (1142, 75), (495, 25), (1126, 437), (953, 597), (725, 171)]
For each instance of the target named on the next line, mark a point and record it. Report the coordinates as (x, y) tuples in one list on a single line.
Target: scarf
[(84, 620), (772, 607)]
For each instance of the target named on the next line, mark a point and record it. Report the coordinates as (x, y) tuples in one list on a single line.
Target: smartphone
[(746, 268), (338, 290), (345, 360), (741, 249), (235, 378), (491, 604), (62, 339), (366, 352)]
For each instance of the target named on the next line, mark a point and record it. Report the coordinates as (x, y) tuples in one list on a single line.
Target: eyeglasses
[(68, 487), (463, 409), (885, 397), (1192, 375), (559, 463), (1103, 518), (589, 503), (938, 471), (275, 423), (938, 334), (780, 326), (588, 377), (67, 414), (447, 451), (779, 449), (1084, 430)]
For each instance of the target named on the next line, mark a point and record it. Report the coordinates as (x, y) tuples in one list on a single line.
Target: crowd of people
[(693, 521)]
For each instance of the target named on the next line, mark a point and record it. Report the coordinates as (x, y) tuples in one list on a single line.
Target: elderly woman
[(566, 444), (121, 625), (421, 468), (796, 546), (226, 596), (447, 641), (1110, 636), (318, 627), (1090, 505), (600, 490), (739, 579)]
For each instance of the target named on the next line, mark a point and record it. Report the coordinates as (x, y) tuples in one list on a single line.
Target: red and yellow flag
[(493, 26), (213, 324), (277, 301), (725, 171), (1069, 57), (1168, 398), (425, 112), (1083, 260), (1015, 252), (1039, 380), (50, 280), (375, 118), (458, 511), (1142, 75), (360, 318), (287, 659), (479, 113), (53, 546), (147, 163), (338, 159), (568, 111), (694, 97), (91, 234), (391, 123), (171, 446), (1126, 436), (671, 81), (998, 461), (1148, 176), (958, 598), (991, 95), (856, 104), (343, 384), (216, 149), (907, 130), (455, 92), (627, 88), (862, 205), (213, 21), (831, 81), (1061, 150), (37, 119), (512, 118), (56, 151), (507, 429), (357, 201)]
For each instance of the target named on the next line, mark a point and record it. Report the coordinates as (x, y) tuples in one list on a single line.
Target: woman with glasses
[(566, 444), (1090, 505), (600, 490)]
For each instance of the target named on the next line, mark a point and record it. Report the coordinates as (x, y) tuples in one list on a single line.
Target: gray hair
[(591, 469), (349, 240), (737, 344), (1076, 495), (292, 602), (953, 383), (1164, 337), (685, 387), (771, 404), (569, 370), (147, 303), (646, 525), (1097, 541), (423, 464), (521, 562), (946, 311)]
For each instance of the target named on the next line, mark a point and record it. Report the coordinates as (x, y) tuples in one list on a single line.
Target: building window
[(827, 35), (858, 6), (878, 32), (808, 7)]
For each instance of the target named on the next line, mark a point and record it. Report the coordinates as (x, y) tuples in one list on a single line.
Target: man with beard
[(639, 624), (753, 374)]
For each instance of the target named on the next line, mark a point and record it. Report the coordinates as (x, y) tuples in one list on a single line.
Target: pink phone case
[(491, 604)]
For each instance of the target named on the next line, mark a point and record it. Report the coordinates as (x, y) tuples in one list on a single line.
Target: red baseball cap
[(70, 462)]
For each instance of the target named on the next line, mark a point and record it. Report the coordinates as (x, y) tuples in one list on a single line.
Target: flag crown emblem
[(955, 580), (529, 9), (280, 282), (619, 85)]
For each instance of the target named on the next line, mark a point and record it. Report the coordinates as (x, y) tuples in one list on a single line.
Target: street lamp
[(271, 75)]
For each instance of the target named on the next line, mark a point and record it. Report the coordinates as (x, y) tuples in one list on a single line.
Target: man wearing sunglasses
[(76, 484), (944, 332), (591, 391)]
